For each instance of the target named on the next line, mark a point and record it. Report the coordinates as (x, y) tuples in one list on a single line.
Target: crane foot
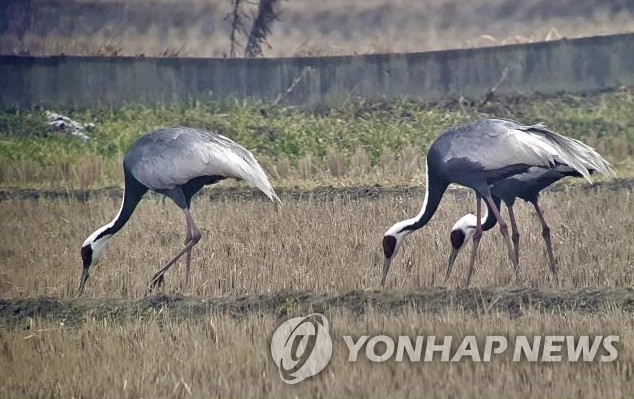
[(156, 282)]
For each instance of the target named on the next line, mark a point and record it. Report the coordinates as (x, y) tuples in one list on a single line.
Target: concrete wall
[(579, 65)]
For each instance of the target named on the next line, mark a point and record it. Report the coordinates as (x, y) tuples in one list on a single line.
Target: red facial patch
[(457, 238), (86, 255), (389, 244)]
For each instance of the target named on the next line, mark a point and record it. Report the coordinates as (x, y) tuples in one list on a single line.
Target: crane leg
[(476, 239), (192, 232), (549, 245), (193, 240), (515, 234), (188, 256), (505, 234)]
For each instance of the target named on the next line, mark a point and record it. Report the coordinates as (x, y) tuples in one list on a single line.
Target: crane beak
[(452, 260), (82, 283), (386, 268)]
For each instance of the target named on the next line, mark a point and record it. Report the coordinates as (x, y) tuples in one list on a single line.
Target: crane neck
[(132, 194), (488, 219), (434, 190), (129, 203)]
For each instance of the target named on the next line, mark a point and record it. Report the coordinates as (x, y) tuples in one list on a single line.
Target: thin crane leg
[(505, 233), (188, 255), (549, 245), (192, 232), (158, 276), (476, 237), (515, 234)]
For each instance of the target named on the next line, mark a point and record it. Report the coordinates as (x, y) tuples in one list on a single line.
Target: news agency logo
[(301, 347)]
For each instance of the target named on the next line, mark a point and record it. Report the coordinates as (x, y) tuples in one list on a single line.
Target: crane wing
[(579, 152), (496, 143), (170, 157)]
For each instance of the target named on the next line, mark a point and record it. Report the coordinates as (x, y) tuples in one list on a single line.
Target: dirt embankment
[(502, 300), (318, 194)]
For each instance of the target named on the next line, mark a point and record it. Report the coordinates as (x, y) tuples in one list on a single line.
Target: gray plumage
[(172, 157), (176, 162), (497, 148), (527, 186), (484, 153)]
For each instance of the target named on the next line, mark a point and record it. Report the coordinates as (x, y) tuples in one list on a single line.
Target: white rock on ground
[(61, 123)]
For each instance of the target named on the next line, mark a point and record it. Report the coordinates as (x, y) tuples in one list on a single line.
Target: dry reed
[(253, 247)]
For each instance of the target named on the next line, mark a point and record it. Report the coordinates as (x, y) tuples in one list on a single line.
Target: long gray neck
[(435, 188), (131, 196)]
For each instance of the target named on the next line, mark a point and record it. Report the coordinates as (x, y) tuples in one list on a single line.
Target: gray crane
[(526, 186), (176, 162), (479, 154)]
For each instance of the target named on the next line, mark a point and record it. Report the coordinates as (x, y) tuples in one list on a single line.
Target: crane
[(176, 162), (526, 186), (479, 154)]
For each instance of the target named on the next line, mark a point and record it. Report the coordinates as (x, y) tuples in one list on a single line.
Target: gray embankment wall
[(577, 65)]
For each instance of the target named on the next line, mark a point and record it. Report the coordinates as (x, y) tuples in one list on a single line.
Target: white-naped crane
[(176, 162), (479, 154), (526, 186)]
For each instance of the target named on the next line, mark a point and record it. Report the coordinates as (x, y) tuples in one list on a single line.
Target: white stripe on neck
[(470, 220), (485, 214), (422, 210), (398, 227), (91, 238)]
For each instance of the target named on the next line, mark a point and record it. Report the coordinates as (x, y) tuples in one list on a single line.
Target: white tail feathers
[(254, 175), (227, 158), (261, 181), (251, 172), (577, 155)]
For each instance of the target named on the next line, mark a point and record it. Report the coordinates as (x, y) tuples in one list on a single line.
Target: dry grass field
[(258, 264), (254, 247), (223, 356), (327, 247), (199, 28)]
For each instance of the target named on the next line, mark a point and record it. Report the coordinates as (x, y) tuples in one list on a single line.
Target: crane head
[(90, 253), (461, 233), (392, 241)]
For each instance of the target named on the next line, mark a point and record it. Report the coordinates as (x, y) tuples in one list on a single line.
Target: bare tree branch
[(282, 96), (236, 26), (491, 93), (267, 13)]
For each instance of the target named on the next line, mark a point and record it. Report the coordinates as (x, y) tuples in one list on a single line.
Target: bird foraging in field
[(526, 186), (176, 162), (480, 154)]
